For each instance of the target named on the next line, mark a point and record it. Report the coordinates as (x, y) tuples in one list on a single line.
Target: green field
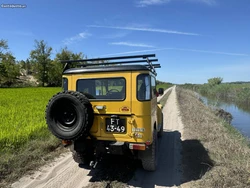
[(25, 141), (22, 112)]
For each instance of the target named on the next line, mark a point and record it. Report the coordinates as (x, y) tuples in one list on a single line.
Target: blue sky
[(194, 40)]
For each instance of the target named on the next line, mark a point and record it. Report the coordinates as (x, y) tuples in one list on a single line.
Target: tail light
[(137, 146)]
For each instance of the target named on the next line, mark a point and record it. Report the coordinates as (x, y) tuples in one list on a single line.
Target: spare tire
[(69, 115)]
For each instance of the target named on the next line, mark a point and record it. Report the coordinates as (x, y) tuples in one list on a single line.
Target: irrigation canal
[(241, 114)]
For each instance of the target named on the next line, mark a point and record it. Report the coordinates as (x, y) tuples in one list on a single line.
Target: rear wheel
[(160, 133), (79, 158), (82, 157), (149, 156)]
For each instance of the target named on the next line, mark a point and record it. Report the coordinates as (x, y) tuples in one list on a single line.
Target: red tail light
[(137, 146)]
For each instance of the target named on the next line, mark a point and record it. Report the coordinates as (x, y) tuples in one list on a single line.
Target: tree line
[(39, 64)]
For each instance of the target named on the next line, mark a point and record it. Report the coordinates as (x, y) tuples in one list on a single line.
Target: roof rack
[(135, 59)]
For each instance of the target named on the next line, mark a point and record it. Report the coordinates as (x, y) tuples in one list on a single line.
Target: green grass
[(164, 86), (25, 141), (22, 115), (165, 98), (237, 93)]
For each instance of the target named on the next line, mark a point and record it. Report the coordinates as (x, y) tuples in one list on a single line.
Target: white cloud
[(144, 3), (78, 37), (208, 2), (146, 29), (20, 33), (115, 35), (180, 49), (132, 44), (134, 52), (211, 52), (24, 33)]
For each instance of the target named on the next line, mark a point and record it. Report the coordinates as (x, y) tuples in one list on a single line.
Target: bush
[(215, 81)]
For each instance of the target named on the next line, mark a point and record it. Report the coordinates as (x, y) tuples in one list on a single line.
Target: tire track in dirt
[(63, 173), (168, 173)]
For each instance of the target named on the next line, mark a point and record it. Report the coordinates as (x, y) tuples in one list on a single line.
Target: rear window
[(143, 87), (65, 84), (102, 88)]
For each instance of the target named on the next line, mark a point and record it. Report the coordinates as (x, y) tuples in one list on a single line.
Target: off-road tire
[(69, 115), (160, 133), (80, 158), (149, 156)]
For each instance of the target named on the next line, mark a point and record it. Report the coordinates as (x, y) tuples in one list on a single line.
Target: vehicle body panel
[(140, 116)]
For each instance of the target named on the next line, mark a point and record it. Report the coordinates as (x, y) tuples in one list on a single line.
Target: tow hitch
[(93, 164)]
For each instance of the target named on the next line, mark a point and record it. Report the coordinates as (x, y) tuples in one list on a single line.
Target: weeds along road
[(65, 173)]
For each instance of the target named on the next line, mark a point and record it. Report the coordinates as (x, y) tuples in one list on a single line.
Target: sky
[(194, 40)]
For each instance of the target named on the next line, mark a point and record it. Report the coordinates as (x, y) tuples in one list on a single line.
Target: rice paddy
[(22, 113)]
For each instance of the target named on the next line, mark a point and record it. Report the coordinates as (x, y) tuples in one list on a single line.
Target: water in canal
[(241, 114)]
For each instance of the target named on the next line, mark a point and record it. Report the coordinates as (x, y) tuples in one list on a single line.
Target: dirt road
[(168, 173), (65, 173)]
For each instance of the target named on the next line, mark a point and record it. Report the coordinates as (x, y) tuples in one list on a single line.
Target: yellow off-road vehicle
[(109, 108)]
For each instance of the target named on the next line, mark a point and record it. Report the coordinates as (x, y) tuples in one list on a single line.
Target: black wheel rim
[(66, 116)]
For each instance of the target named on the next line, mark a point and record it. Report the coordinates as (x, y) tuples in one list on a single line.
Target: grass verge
[(226, 155), (164, 85), (25, 141), (165, 98), (31, 156)]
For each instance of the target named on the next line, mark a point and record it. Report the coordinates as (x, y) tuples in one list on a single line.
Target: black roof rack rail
[(115, 63), (109, 58), (154, 65), (136, 59)]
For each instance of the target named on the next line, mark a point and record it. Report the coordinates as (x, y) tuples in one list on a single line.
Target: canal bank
[(214, 154), (240, 113)]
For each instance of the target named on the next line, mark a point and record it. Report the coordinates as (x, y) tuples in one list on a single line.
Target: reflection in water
[(240, 113)]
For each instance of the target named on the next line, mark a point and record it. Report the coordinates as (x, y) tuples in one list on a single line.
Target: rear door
[(110, 96)]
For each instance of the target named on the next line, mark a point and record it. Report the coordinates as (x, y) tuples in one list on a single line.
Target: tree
[(3, 46), (22, 65), (28, 66), (56, 67), (41, 59), (9, 70), (215, 81), (55, 74)]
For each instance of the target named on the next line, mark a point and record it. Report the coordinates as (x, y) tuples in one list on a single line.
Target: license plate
[(115, 125)]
